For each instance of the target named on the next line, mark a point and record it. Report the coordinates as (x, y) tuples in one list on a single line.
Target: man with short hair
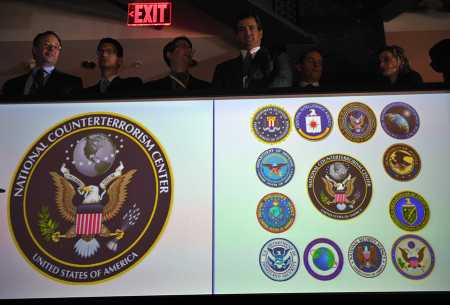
[(309, 68), (44, 80), (440, 59)]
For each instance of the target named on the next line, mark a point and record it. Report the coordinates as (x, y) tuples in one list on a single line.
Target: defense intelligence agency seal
[(275, 167), (357, 122), (279, 259), (313, 122), (400, 120), (409, 211), (276, 213), (402, 162), (413, 257), (339, 186), (90, 198), (323, 259), (271, 124), (367, 256)]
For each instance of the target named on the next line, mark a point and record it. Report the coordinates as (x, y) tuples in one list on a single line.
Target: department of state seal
[(313, 122), (279, 259), (402, 162), (323, 259), (275, 167), (367, 256), (357, 122), (276, 213), (409, 211), (271, 124), (339, 186), (400, 120)]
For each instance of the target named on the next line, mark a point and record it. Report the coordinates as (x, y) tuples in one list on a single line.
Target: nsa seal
[(275, 167), (323, 259), (367, 256), (271, 124), (313, 122), (413, 257), (276, 213), (400, 120), (357, 122), (409, 211), (339, 186), (90, 198), (402, 162), (279, 259)]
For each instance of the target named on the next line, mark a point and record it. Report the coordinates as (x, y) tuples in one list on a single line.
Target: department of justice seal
[(279, 259), (409, 211), (367, 256), (275, 167), (275, 213), (339, 186), (323, 259), (400, 120), (413, 257), (90, 198), (271, 124), (313, 122), (357, 122), (402, 162)]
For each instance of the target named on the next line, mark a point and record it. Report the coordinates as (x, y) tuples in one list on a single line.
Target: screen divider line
[(213, 195)]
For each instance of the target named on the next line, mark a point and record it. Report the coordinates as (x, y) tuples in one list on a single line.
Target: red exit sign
[(150, 14)]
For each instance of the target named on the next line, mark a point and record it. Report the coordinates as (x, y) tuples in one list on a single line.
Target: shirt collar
[(110, 79), (252, 52), (304, 84), (47, 69)]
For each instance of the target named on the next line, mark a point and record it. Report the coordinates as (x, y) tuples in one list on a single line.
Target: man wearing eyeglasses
[(44, 80)]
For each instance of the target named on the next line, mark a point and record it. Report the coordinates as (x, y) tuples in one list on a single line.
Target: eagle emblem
[(357, 124), (367, 256), (340, 192)]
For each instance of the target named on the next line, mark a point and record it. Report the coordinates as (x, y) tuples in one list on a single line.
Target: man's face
[(46, 53), (311, 67), (248, 34), (107, 56), (181, 56), (389, 64)]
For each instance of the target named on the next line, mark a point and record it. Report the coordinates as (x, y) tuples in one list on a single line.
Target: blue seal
[(271, 124), (400, 120), (276, 213), (313, 122), (275, 167), (279, 259)]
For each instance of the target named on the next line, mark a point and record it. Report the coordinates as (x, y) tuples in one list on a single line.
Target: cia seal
[(367, 256), (400, 120), (90, 198), (409, 211), (313, 122), (339, 186), (357, 122), (275, 167), (271, 124), (402, 162), (413, 257), (279, 259), (323, 259), (275, 213)]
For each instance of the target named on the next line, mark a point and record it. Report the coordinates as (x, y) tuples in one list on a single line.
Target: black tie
[(246, 64), (38, 83)]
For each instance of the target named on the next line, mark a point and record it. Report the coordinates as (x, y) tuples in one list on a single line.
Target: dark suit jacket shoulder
[(118, 86), (165, 84)]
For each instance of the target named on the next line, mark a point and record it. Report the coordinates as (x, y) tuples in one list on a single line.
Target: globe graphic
[(338, 171), (397, 123), (323, 258), (94, 155)]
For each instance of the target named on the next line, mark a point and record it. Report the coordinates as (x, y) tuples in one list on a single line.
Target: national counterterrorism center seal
[(90, 198)]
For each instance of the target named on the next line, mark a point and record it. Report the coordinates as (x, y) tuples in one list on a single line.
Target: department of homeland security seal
[(339, 186), (357, 122), (90, 198), (367, 256), (400, 120), (275, 167), (323, 259), (413, 257), (402, 162), (279, 259), (313, 122), (409, 211), (276, 213), (271, 124)]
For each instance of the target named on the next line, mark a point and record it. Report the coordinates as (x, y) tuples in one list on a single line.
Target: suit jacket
[(58, 84), (165, 84), (118, 86)]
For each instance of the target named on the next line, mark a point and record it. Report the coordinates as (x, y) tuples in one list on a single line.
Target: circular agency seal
[(276, 212), (339, 186), (279, 259), (402, 162), (409, 211), (413, 257), (275, 167), (400, 120), (313, 122), (90, 198), (357, 122), (271, 124), (323, 259), (367, 256)]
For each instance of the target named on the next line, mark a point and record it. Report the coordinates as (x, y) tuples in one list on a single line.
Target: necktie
[(104, 84), (247, 63), (38, 83)]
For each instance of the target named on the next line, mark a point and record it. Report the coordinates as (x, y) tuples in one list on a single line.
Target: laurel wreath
[(47, 226)]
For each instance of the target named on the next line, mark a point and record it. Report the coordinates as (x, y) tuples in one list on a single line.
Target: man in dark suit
[(44, 80), (309, 68), (178, 56), (110, 59), (256, 67)]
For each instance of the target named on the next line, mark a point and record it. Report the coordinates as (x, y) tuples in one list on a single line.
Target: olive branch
[(47, 226)]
